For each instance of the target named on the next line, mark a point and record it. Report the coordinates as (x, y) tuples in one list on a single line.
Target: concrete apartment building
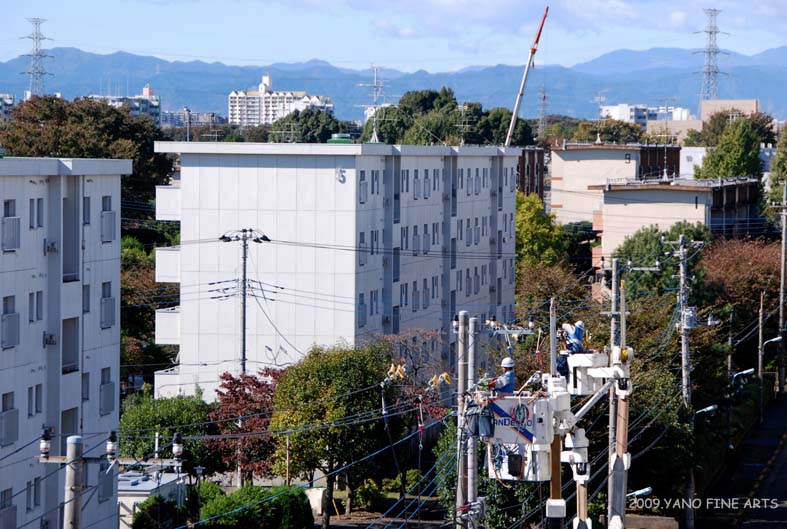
[(728, 207), (679, 127), (575, 167), (7, 104), (59, 329), (642, 114), (250, 108), (366, 240), (145, 104)]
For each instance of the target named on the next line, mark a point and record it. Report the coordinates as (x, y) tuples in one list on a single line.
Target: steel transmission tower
[(37, 56), (542, 112), (710, 70)]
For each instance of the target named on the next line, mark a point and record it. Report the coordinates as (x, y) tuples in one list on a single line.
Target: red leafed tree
[(249, 397)]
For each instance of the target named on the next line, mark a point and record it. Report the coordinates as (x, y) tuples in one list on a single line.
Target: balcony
[(168, 326), (168, 202), (11, 234), (9, 326), (168, 265), (9, 427), (106, 398)]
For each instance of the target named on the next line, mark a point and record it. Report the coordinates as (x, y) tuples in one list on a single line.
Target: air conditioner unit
[(49, 339)]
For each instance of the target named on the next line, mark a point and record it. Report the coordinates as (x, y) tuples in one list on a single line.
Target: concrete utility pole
[(461, 383), (472, 453), (613, 402), (782, 333), (760, 350), (555, 483), (72, 501), (621, 461), (244, 235)]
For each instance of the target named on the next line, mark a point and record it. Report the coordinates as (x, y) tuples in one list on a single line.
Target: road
[(772, 494)]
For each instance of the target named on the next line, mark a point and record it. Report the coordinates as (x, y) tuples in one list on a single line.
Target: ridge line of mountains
[(625, 76)]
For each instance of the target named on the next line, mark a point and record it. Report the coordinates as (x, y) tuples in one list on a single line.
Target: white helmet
[(507, 362)]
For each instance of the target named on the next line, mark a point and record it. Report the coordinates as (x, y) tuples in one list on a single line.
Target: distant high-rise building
[(146, 104), (7, 104), (179, 118), (250, 108)]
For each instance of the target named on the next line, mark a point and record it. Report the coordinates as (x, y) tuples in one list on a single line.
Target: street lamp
[(742, 374), (710, 409), (641, 493)]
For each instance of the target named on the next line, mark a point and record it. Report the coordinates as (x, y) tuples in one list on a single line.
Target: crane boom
[(530, 56)]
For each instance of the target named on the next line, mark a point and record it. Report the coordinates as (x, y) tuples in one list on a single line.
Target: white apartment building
[(145, 104), (7, 104), (365, 240), (250, 108), (641, 114), (59, 330)]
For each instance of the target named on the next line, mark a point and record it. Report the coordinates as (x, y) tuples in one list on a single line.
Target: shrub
[(157, 512), (281, 507), (369, 496), (413, 476)]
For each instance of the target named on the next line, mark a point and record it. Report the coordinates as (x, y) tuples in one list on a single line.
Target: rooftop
[(330, 149), (18, 166), (610, 146), (678, 184), (139, 482)]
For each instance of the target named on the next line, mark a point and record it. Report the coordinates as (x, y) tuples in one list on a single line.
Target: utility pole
[(187, 112), (613, 402), (472, 451), (710, 70), (760, 350), (461, 381), (377, 91), (621, 461), (244, 235), (72, 501), (555, 482), (783, 207)]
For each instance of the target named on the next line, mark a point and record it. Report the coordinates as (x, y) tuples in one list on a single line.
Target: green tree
[(737, 153), (713, 129), (158, 512), (433, 128), (539, 239), (610, 130), (493, 128), (648, 245), (318, 391), (142, 416), (392, 124), (254, 507), (50, 126), (779, 169), (417, 102), (694, 138), (307, 126)]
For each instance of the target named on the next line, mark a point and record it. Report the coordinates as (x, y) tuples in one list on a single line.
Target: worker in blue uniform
[(504, 383), (574, 336)]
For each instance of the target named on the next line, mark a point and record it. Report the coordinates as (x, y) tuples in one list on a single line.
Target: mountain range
[(622, 76)]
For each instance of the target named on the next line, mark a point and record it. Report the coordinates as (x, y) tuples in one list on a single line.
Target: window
[(106, 392), (483, 274), (85, 386), (404, 235), (416, 240), (426, 293), (106, 375), (403, 294), (6, 498), (469, 182), (361, 248), (106, 203), (32, 214), (426, 239), (376, 182), (107, 305), (31, 307), (435, 176), (435, 233), (477, 181), (40, 305), (427, 185), (416, 185), (459, 229), (85, 299), (40, 212), (8, 401), (405, 181), (483, 226), (10, 323), (459, 280), (434, 287), (39, 398), (105, 483), (416, 297), (375, 241), (361, 310), (363, 188), (108, 224), (31, 403), (85, 210), (9, 208), (29, 496), (37, 492), (461, 178), (468, 282), (486, 177), (477, 231)]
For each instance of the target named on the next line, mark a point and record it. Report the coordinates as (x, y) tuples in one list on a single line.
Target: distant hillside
[(626, 76)]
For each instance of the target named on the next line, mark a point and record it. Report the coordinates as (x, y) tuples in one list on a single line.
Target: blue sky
[(435, 35)]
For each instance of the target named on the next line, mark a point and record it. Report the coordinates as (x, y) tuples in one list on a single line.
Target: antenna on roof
[(377, 92)]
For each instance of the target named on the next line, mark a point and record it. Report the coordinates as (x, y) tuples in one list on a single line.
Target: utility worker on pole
[(574, 336), (504, 383)]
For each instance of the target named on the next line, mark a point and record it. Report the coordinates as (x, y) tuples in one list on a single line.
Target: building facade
[(530, 178), (366, 240), (251, 108), (59, 329), (146, 104), (7, 104), (641, 114), (728, 207), (577, 166)]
